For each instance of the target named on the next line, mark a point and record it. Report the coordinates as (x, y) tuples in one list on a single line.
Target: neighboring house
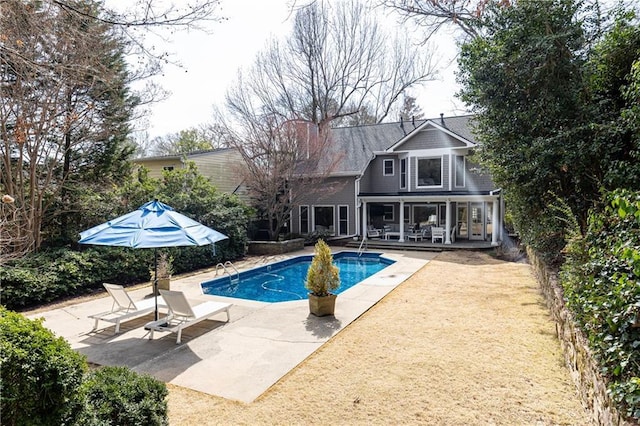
[(416, 174), (220, 166)]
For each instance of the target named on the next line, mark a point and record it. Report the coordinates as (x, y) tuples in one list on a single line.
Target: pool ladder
[(225, 270), (363, 246)]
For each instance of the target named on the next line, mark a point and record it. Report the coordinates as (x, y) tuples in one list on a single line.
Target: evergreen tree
[(64, 113)]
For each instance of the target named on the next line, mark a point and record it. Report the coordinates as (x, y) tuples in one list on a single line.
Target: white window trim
[(347, 219), (300, 219), (455, 171), (384, 167), (406, 172), (384, 217), (441, 172)]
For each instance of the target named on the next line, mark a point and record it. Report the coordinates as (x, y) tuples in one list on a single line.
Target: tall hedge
[(601, 280), (53, 274)]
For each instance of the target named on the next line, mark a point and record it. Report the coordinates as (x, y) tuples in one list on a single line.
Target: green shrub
[(61, 272), (120, 397), (53, 274), (601, 280), (40, 375)]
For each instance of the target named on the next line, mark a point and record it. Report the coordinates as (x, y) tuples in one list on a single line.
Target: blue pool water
[(284, 281)]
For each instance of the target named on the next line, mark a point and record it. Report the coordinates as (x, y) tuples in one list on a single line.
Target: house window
[(387, 212), (425, 215), (388, 167), (168, 168), (403, 173), (407, 212), (304, 219), (429, 172), (343, 220), (323, 219), (460, 174)]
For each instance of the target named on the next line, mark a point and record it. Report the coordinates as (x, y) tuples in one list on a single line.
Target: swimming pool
[(284, 281)]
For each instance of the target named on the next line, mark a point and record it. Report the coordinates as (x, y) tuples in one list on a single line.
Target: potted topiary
[(165, 269), (322, 278)]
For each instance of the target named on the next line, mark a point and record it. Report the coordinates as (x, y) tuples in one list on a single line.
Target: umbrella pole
[(155, 281)]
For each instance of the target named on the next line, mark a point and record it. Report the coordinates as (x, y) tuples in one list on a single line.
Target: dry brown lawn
[(466, 341)]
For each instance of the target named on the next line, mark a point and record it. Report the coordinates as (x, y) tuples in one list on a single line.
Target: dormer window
[(387, 166), (429, 172)]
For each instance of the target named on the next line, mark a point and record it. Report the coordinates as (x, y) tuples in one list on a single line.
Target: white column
[(364, 220), (447, 226), (401, 239), (495, 223)]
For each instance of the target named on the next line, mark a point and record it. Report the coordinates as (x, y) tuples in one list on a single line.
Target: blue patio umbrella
[(153, 225)]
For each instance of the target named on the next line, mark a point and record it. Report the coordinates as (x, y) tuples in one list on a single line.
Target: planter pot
[(322, 306), (164, 284)]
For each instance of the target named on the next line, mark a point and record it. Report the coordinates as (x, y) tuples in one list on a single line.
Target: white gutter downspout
[(357, 205)]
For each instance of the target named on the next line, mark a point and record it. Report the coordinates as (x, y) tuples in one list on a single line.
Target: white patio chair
[(437, 233), (373, 233)]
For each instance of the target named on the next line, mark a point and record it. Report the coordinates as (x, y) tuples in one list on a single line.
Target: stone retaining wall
[(584, 370), (275, 247)]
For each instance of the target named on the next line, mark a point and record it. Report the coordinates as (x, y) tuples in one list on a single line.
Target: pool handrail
[(361, 248), (226, 271)]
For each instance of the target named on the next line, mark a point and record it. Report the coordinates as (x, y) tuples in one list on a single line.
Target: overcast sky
[(210, 62)]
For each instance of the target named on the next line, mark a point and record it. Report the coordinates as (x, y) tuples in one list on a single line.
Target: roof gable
[(443, 133), (357, 146)]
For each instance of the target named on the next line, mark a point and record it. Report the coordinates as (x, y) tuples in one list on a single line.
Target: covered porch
[(428, 219), (426, 245)]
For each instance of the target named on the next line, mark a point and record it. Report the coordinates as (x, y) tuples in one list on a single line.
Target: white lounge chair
[(124, 308), (182, 314)]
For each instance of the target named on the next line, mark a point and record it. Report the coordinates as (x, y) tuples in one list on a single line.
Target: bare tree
[(337, 62), (434, 14), (66, 103), (11, 234), (182, 142), (64, 109), (338, 66), (285, 161), (467, 15)]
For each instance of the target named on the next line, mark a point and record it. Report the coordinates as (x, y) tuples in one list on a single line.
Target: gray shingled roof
[(356, 145), (179, 156), (461, 125)]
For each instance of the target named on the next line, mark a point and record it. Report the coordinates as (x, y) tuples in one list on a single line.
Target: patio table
[(415, 236), (391, 234)]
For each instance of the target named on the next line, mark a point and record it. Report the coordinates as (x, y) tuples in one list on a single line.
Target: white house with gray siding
[(400, 178)]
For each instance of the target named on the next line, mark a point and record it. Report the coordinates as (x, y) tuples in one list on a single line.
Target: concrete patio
[(238, 360)]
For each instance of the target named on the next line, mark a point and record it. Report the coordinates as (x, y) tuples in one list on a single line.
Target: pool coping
[(238, 360)]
